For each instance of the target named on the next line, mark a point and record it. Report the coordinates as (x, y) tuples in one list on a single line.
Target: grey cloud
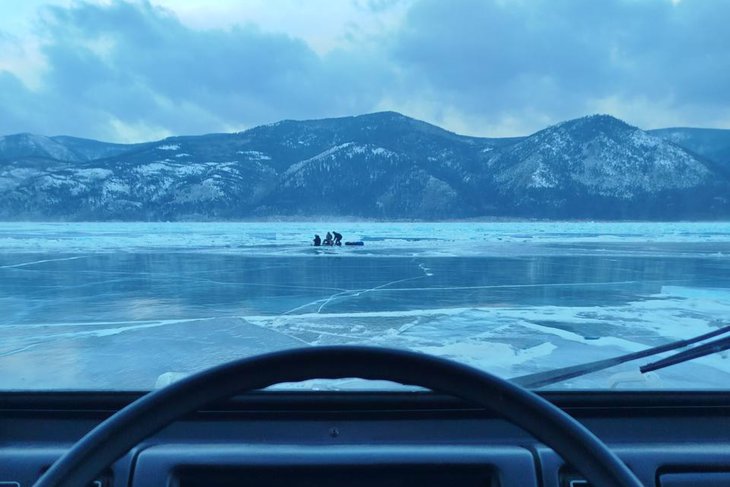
[(14, 109), (555, 57), (379, 5), (535, 61), (137, 64)]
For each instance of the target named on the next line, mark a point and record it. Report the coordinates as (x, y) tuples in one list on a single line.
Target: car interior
[(476, 430)]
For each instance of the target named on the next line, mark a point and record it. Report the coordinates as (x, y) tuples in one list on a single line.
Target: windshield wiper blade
[(541, 379), (714, 346)]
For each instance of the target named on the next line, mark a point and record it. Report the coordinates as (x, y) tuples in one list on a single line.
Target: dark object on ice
[(338, 237), (355, 243), (327, 239), (317, 240)]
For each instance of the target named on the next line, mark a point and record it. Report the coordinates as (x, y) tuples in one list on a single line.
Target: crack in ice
[(25, 264)]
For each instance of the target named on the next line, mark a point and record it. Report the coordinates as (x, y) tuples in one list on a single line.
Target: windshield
[(531, 188)]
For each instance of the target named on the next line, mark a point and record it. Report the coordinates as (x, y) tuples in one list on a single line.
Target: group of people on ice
[(330, 239)]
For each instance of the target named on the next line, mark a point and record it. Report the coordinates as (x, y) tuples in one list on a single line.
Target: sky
[(138, 70)]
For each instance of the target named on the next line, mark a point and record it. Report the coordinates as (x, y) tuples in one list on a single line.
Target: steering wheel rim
[(152, 412)]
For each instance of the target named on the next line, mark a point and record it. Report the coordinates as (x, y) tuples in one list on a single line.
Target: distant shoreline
[(338, 219)]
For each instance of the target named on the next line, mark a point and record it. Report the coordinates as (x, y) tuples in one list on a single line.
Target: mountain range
[(380, 166)]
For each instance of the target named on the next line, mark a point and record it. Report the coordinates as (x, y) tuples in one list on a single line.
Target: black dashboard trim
[(419, 403), (655, 432)]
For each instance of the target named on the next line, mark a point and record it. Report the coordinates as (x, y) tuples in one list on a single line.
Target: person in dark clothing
[(317, 240), (327, 239), (338, 238)]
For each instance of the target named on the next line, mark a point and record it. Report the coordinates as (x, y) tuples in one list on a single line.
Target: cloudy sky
[(145, 69)]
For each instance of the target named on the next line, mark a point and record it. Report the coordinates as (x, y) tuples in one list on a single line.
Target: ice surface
[(116, 305), (382, 239)]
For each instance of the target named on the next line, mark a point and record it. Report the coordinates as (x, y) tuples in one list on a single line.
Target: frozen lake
[(115, 305)]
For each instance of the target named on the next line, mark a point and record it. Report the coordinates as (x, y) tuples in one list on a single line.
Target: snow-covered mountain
[(381, 165), (61, 148), (713, 144), (599, 166)]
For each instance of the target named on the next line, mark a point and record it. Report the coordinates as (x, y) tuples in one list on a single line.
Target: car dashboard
[(363, 439)]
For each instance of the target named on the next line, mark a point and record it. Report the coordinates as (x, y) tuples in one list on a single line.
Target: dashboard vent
[(695, 479)]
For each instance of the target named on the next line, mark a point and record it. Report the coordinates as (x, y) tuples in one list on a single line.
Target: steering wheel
[(152, 412)]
